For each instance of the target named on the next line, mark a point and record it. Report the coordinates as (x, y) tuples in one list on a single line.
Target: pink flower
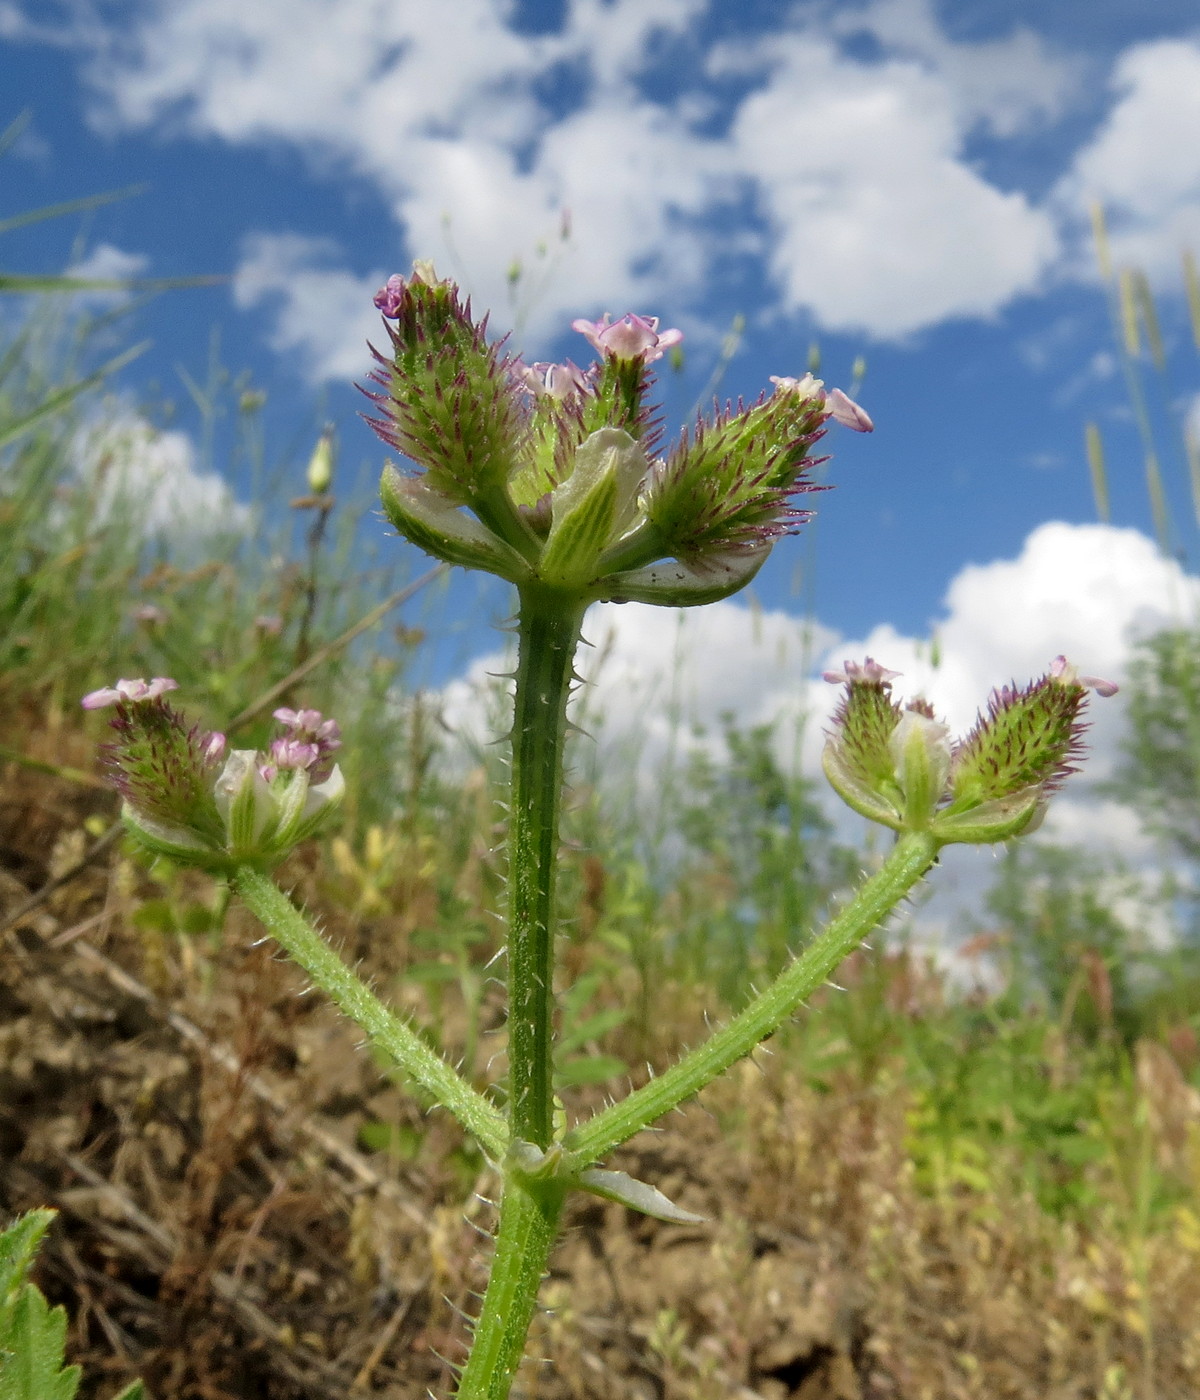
[(290, 753), (310, 743), (868, 672), (213, 750), (128, 690), (553, 381), (843, 410), (1062, 671), (838, 406), (632, 337), (389, 297), (807, 388)]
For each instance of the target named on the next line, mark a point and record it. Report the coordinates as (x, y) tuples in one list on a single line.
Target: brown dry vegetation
[(197, 1123)]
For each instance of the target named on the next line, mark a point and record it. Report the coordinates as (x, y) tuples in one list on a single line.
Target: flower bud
[(731, 485), (448, 400), (1017, 756), (320, 464)]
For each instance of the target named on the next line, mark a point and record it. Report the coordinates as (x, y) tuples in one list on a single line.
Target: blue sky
[(897, 178)]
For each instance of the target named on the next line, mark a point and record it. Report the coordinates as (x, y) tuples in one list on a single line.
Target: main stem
[(548, 633), (528, 1227)]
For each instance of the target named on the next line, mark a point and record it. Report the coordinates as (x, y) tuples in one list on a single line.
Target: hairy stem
[(384, 1028), (548, 632), (908, 862), (528, 1226)]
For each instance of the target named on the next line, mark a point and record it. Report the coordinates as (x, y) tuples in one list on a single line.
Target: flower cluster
[(898, 766), (550, 474), (187, 798)]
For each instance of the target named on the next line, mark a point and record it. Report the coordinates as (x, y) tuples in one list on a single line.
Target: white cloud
[(322, 313), (879, 224), (107, 263), (1008, 84), (1086, 591), (151, 478), (876, 220), (1143, 164), (655, 675)]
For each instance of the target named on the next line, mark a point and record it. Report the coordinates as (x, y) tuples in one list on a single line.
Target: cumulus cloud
[(847, 176), (879, 224), (657, 676), (1007, 84), (1143, 164), (151, 479), (320, 313), (107, 263)]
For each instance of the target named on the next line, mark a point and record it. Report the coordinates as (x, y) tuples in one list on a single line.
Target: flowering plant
[(553, 477)]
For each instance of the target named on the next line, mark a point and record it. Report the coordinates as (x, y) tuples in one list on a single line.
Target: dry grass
[(198, 1123)]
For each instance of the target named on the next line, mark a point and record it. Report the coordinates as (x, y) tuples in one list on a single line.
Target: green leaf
[(18, 1245), (397, 1139), (592, 1028), (637, 1195), (32, 1333), (31, 1367)]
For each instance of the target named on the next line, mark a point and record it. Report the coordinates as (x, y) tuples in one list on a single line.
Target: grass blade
[(60, 399)]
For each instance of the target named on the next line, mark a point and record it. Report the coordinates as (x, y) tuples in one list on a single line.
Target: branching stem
[(384, 1028), (908, 862)]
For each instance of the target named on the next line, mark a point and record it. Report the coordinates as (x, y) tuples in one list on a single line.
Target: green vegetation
[(919, 1130)]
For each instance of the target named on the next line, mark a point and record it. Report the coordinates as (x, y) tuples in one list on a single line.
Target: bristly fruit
[(187, 798), (548, 474), (898, 766)]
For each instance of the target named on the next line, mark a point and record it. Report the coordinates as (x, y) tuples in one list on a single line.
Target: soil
[(198, 1122)]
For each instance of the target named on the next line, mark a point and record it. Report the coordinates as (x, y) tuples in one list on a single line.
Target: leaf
[(18, 1245), (32, 1368), (589, 1069), (637, 1195), (592, 1028), (399, 1139), (32, 1333)]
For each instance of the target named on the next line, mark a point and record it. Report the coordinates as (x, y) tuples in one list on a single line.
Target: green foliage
[(32, 1334), (1065, 946), (742, 866), (1160, 774)]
